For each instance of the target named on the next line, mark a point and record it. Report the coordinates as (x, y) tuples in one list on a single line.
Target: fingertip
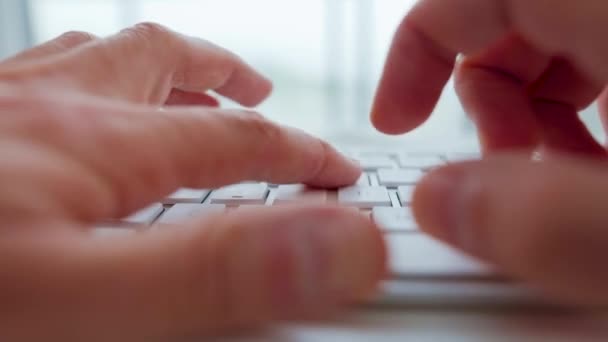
[(305, 258), (433, 202), (387, 119), (353, 279), (247, 87), (413, 79), (260, 91), (378, 244), (335, 169)]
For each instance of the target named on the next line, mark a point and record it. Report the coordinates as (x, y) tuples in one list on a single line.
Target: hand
[(82, 139), (527, 68)]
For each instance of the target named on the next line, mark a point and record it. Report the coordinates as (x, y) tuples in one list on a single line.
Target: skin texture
[(94, 129), (525, 69)]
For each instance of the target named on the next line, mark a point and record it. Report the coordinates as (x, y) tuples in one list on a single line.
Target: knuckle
[(265, 141), (152, 40), (74, 38), (149, 31), (264, 130)]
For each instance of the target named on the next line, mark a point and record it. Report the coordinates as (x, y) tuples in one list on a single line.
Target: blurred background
[(325, 56)]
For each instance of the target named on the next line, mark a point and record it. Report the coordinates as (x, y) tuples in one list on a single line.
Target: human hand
[(527, 68), (82, 139)]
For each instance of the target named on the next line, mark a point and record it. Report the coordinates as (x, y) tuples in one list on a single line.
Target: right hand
[(528, 67)]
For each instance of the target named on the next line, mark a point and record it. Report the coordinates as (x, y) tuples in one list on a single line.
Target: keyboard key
[(408, 161), (375, 163), (375, 154), (241, 194), (299, 194), (405, 193), (397, 177), (145, 216), (416, 255), (394, 220), (187, 196), (364, 197), (185, 211), (363, 180)]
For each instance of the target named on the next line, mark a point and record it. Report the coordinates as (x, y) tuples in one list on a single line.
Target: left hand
[(83, 139)]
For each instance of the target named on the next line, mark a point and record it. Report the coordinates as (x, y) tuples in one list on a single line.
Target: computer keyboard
[(383, 192)]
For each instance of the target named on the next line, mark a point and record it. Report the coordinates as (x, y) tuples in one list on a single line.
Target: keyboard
[(423, 271)]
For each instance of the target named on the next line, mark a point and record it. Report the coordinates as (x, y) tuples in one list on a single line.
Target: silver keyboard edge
[(412, 294)]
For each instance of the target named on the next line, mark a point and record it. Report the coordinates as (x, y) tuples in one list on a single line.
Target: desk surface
[(420, 326)]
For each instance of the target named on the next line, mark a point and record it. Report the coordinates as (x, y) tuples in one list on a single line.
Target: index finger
[(137, 155), (423, 55)]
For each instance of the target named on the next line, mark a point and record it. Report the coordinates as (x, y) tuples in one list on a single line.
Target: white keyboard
[(418, 263)]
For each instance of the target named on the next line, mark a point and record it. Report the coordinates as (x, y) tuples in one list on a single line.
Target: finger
[(563, 83), (468, 26), (164, 60), (564, 132), (558, 96), (546, 225), (140, 155), (602, 103), (185, 98), (422, 57), (492, 88), (520, 98), (402, 101), (230, 271), (61, 44)]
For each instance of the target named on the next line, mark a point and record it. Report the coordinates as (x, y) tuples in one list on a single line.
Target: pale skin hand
[(529, 66), (82, 139)]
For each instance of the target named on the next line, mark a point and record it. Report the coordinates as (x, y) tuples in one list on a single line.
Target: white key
[(363, 180), (187, 196), (422, 256), (241, 194), (299, 194), (184, 211), (409, 161), (364, 197), (398, 177), (406, 192), (374, 154), (145, 216), (375, 163), (394, 220)]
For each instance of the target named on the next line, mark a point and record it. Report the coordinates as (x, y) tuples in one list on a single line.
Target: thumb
[(545, 223), (243, 268)]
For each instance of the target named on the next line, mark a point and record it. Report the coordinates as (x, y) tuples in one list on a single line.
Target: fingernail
[(338, 257), (443, 203)]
